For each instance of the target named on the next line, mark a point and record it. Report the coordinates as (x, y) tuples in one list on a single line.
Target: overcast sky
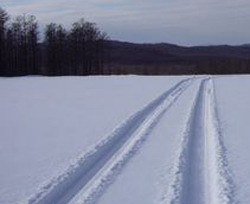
[(185, 22)]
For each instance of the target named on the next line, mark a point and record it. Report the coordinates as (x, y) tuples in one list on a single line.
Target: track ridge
[(221, 175), (109, 154), (202, 174)]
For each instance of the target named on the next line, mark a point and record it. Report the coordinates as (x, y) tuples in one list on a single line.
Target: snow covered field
[(109, 140)]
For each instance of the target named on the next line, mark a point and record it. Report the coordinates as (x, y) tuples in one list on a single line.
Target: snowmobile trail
[(88, 178), (202, 174)]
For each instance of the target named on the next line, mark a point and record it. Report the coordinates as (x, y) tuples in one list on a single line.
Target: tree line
[(85, 50), (78, 51)]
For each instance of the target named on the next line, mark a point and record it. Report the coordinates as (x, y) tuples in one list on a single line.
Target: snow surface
[(233, 96), (48, 123), (108, 140), (146, 177)]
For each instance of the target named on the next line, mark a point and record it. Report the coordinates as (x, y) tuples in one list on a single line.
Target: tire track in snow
[(202, 174), (222, 188), (97, 168)]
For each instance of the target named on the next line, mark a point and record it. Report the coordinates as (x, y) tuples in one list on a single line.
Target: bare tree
[(3, 19), (50, 44), (86, 42), (32, 35), (75, 52)]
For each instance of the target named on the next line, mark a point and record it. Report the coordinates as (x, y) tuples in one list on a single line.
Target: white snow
[(131, 139), (147, 176), (48, 123), (233, 96)]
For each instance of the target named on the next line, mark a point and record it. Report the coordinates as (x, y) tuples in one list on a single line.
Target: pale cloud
[(175, 21)]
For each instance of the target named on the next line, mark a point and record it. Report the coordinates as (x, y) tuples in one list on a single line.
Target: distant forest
[(85, 50), (79, 51), (169, 59)]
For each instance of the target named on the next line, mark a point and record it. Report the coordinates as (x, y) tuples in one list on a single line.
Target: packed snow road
[(200, 172), (99, 165), (174, 150)]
